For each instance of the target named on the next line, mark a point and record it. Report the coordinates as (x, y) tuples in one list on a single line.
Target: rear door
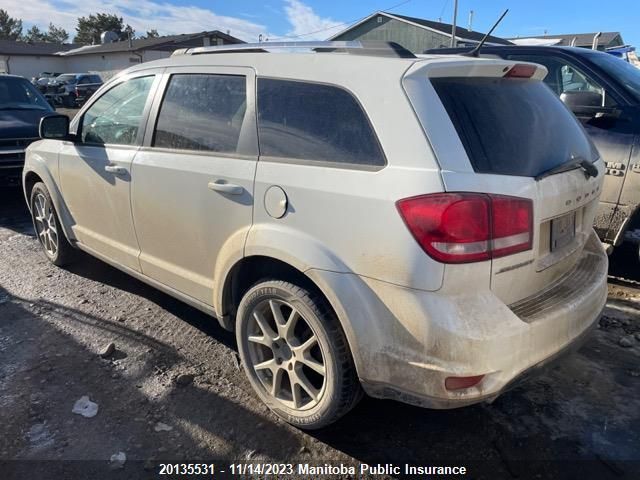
[(192, 190), (503, 133), (597, 106)]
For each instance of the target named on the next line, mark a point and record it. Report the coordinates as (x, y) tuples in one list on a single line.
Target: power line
[(351, 22)]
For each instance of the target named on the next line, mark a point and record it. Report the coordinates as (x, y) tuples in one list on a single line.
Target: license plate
[(563, 231)]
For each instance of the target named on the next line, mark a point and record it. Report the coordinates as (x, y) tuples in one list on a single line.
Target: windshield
[(67, 79), (622, 71), (512, 126), (19, 94)]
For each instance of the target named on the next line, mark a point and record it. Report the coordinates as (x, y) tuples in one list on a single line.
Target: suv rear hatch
[(509, 135)]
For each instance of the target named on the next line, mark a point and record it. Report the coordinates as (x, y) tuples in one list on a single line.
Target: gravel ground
[(579, 419)]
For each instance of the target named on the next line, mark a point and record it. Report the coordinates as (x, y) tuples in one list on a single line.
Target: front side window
[(66, 78), (202, 112), (575, 88), (624, 72), (314, 122), (115, 118)]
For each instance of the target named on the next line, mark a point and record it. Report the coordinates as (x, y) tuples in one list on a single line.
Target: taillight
[(469, 227), (521, 70)]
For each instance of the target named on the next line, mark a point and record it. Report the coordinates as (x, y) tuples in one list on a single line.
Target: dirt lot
[(579, 420)]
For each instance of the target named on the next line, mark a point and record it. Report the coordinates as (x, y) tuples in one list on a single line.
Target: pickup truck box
[(604, 93)]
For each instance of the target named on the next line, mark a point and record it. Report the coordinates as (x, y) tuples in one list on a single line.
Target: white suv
[(419, 229)]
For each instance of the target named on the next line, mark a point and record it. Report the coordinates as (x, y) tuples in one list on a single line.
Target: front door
[(95, 170), (192, 188)]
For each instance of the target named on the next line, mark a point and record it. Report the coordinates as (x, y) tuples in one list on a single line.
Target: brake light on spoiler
[(521, 70), (469, 227)]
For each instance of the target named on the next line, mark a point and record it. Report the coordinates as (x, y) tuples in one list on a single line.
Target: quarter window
[(202, 112), (116, 116), (314, 122)]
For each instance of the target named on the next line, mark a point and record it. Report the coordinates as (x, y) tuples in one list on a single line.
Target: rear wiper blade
[(589, 169)]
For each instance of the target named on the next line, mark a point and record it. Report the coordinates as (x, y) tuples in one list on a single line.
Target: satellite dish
[(109, 37)]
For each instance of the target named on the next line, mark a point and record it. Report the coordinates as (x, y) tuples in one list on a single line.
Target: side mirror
[(55, 127), (579, 99)]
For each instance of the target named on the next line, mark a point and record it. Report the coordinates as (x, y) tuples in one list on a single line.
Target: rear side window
[(512, 126), (202, 112), (313, 122)]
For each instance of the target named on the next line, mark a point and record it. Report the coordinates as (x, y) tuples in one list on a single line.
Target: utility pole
[(470, 20), (453, 28)]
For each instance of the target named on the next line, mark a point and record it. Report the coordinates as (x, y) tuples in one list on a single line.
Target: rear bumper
[(407, 342)]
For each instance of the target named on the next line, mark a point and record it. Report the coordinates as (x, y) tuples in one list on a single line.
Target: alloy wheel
[(286, 355), (45, 224)]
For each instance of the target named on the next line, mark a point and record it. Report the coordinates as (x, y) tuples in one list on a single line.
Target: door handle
[(228, 188), (115, 169)]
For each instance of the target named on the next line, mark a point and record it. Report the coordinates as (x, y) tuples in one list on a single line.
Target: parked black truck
[(72, 89), (603, 91)]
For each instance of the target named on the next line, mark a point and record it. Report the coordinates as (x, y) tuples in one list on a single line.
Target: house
[(106, 59), (415, 34), (583, 40), (29, 59)]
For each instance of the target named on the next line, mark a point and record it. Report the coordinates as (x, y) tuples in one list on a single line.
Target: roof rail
[(354, 47)]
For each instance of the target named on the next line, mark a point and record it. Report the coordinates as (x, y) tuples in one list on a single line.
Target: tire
[(314, 381), (48, 228)]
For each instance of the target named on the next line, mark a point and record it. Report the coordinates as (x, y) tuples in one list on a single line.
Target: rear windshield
[(512, 126)]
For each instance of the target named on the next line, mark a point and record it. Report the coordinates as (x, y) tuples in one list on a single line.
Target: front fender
[(38, 165)]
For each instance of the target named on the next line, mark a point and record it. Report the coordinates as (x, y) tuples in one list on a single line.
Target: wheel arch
[(249, 270), (32, 176), (630, 220)]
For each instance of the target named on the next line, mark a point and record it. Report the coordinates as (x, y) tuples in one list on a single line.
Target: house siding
[(415, 39), (30, 65), (106, 65), (109, 64)]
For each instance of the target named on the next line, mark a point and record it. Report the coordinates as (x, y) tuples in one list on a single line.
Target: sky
[(319, 19)]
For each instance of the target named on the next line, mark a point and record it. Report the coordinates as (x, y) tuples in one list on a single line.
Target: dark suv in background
[(21, 108), (603, 91)]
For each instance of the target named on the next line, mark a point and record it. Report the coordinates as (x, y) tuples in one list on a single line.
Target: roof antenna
[(476, 50)]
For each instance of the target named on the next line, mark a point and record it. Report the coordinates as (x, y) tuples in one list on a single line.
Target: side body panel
[(626, 214), (344, 217)]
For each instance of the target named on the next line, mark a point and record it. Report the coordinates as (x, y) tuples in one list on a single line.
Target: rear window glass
[(512, 126), (309, 121)]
